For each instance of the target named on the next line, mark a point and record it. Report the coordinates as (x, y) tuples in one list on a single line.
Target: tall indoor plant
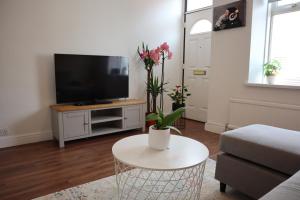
[(165, 53), (154, 89), (150, 58), (179, 95), (271, 70), (159, 134)]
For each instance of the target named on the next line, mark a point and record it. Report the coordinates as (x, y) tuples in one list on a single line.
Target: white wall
[(230, 65), (33, 30)]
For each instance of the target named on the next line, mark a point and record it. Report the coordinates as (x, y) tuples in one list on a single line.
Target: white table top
[(182, 153)]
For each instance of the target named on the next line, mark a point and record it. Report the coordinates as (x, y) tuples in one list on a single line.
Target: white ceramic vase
[(159, 139), (271, 79)]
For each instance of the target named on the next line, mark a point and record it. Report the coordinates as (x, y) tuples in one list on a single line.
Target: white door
[(197, 62)]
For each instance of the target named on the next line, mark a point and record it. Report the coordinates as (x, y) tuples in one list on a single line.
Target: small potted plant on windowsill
[(271, 70), (159, 134), (178, 96)]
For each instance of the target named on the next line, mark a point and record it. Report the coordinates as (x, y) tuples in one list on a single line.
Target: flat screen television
[(90, 79)]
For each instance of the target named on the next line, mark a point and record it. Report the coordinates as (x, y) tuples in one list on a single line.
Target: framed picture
[(228, 16)]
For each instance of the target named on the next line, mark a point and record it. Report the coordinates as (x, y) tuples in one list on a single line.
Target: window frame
[(273, 10), (197, 9)]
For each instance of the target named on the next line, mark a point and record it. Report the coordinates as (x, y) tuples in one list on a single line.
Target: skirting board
[(14, 140), (215, 127)]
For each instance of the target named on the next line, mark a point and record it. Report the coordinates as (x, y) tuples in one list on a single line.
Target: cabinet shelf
[(105, 130), (106, 127), (100, 119)]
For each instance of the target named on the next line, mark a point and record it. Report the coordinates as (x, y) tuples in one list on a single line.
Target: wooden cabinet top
[(115, 103)]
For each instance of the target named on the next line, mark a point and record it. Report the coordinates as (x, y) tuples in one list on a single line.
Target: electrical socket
[(3, 132)]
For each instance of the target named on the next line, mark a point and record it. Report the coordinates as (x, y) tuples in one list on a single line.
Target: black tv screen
[(89, 78)]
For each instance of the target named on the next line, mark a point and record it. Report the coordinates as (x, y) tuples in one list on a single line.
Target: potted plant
[(179, 95), (271, 69), (159, 134)]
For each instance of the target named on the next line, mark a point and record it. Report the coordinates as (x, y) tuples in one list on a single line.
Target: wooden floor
[(38, 169)]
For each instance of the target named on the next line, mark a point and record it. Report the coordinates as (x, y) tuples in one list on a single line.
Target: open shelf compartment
[(106, 127), (106, 115)]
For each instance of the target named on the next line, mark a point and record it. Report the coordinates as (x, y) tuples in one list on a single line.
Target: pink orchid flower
[(157, 50), (170, 55), (144, 55), (154, 56), (165, 47)]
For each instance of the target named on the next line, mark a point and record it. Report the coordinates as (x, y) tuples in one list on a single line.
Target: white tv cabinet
[(71, 122)]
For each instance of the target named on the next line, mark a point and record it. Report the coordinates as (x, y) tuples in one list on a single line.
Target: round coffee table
[(145, 173)]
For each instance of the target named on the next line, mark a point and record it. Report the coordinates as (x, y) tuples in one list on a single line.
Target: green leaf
[(272, 67), (154, 86), (159, 122), (161, 114), (172, 117)]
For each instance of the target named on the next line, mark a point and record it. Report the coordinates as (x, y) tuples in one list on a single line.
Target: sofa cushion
[(289, 190), (276, 148)]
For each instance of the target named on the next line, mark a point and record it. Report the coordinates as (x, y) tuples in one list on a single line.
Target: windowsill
[(265, 85)]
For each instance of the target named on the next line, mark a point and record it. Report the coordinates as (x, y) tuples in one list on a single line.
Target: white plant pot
[(159, 139), (271, 79)]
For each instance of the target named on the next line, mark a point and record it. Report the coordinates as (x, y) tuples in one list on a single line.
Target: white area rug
[(106, 189)]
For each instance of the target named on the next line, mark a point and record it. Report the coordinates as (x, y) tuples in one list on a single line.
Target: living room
[(216, 56)]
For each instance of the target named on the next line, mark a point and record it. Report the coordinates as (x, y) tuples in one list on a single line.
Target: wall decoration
[(231, 15)]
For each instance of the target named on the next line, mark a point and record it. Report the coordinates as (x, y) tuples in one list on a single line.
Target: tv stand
[(71, 122)]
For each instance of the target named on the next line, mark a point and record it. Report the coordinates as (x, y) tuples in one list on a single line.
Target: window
[(198, 4), (284, 40), (201, 26)]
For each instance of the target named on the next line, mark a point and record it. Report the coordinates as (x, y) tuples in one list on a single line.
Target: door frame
[(184, 35)]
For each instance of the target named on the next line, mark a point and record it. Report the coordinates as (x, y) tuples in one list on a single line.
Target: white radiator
[(244, 112)]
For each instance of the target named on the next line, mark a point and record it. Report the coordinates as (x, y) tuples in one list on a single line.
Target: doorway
[(197, 57)]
